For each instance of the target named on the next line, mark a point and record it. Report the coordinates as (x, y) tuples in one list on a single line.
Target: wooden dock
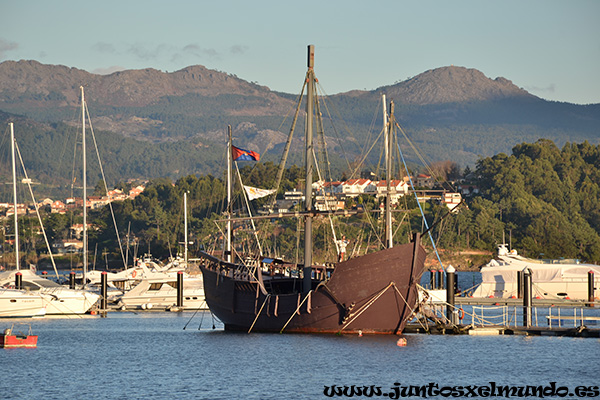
[(494, 301), (487, 330)]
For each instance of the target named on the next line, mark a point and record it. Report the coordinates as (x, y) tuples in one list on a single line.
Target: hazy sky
[(550, 48)]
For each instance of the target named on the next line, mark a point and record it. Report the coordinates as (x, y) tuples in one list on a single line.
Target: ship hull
[(375, 293)]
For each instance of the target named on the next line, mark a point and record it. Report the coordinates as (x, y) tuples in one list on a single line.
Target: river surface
[(162, 355)]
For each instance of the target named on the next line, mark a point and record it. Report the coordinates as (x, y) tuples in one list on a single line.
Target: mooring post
[(72, 280), (519, 284), (456, 282), (103, 290), (591, 294), (451, 312), (180, 289), (432, 280), (19, 280), (440, 279), (527, 298)]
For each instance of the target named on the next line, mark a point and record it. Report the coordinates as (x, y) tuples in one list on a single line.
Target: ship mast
[(229, 172), (389, 129), (306, 283)]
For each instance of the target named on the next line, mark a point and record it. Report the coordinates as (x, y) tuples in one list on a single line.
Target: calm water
[(151, 356)]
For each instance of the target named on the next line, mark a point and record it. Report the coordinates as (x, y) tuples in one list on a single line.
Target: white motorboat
[(551, 278), (151, 284), (57, 299), (160, 291), (20, 304)]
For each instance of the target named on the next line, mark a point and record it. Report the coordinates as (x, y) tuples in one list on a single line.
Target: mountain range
[(177, 121)]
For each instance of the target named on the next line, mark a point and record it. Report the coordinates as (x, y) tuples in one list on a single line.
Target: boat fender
[(461, 313)]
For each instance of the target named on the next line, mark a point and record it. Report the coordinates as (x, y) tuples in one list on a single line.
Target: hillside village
[(74, 244), (331, 196)]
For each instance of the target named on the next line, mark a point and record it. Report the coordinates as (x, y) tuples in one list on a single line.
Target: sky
[(551, 48)]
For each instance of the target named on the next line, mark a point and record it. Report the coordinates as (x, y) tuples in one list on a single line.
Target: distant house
[(133, 193), (77, 229), (328, 203), (323, 188), (116, 195), (356, 187), (21, 210), (284, 205), (468, 190), (451, 200), (295, 196), (67, 246), (58, 207), (424, 180), (397, 187), (96, 202)]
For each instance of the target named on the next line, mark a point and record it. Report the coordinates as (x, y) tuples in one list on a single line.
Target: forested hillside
[(546, 199), (542, 200)]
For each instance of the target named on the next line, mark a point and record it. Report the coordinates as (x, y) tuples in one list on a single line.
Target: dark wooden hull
[(374, 293)]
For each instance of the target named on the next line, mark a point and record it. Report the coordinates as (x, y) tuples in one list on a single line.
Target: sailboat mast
[(84, 180), (229, 179), (306, 283), (388, 167), (14, 176), (185, 223)]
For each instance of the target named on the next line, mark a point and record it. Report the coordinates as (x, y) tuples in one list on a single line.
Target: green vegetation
[(545, 200)]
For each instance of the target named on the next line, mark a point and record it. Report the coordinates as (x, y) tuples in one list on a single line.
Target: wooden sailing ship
[(373, 293)]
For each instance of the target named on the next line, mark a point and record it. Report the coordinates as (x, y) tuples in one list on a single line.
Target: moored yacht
[(57, 299), (551, 278), (20, 304), (160, 291)]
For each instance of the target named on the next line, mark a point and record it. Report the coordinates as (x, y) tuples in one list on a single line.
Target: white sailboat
[(56, 299)]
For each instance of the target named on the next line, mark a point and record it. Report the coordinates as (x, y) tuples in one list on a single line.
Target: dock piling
[(180, 289), (19, 281), (72, 280), (591, 294), (432, 279), (519, 284), (451, 312), (103, 290), (527, 298)]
